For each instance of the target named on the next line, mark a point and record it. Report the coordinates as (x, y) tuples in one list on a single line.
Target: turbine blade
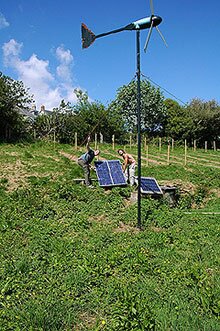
[(152, 7), (162, 37), (148, 37)]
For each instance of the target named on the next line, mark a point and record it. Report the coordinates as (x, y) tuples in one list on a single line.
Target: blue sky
[(40, 44)]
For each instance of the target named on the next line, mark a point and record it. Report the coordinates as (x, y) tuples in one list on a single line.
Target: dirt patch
[(99, 219), (157, 229), (12, 153), (49, 157), (16, 175), (69, 156), (122, 227), (216, 191), (127, 203), (85, 320)]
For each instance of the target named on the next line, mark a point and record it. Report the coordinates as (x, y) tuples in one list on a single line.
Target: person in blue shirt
[(85, 160)]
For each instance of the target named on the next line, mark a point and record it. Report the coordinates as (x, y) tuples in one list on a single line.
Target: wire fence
[(163, 151)]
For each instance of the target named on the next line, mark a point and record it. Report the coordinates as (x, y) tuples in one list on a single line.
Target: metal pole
[(139, 125)]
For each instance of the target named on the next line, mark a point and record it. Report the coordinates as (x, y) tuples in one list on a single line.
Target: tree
[(93, 117), (59, 123), (200, 120), (178, 121), (84, 117), (13, 96), (153, 110), (206, 120)]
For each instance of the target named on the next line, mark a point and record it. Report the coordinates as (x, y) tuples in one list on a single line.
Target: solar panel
[(110, 173), (149, 185)]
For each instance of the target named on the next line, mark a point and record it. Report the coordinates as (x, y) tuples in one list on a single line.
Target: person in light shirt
[(128, 166)]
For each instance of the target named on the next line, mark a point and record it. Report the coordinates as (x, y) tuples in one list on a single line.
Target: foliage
[(206, 120), (85, 117), (153, 110), (178, 121), (93, 117), (13, 96), (59, 124), (197, 121)]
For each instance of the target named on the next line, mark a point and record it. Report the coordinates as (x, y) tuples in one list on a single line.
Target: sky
[(40, 44)]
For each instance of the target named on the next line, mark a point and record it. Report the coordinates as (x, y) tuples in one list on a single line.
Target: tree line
[(198, 120)]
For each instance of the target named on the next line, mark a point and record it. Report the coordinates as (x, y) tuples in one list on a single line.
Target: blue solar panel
[(110, 173), (149, 185)]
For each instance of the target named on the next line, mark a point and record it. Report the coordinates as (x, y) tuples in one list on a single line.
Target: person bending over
[(85, 160), (128, 166)]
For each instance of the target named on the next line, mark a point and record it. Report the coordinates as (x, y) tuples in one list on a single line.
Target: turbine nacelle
[(147, 22)]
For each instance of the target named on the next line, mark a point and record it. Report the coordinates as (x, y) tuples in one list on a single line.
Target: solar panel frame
[(109, 173), (149, 185)]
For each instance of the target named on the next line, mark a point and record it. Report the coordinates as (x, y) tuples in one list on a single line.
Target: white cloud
[(34, 70), (47, 88), (63, 55), (66, 61), (11, 50), (3, 22)]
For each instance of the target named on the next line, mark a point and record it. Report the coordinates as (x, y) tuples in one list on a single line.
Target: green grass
[(73, 259)]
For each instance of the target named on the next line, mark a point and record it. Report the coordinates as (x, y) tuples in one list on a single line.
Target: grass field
[(72, 258)]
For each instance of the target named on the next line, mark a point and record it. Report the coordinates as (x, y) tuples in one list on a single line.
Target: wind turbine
[(150, 22)]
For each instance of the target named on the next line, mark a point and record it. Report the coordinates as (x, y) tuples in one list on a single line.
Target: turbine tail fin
[(88, 37)]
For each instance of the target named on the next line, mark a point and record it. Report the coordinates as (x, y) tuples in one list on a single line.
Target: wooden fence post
[(185, 158), (172, 144), (101, 138), (95, 140), (194, 145), (145, 143), (214, 145), (168, 153), (75, 140), (147, 155), (206, 146), (160, 144), (113, 141)]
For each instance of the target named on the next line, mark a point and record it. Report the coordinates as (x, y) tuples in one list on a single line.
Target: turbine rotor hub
[(156, 20)]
